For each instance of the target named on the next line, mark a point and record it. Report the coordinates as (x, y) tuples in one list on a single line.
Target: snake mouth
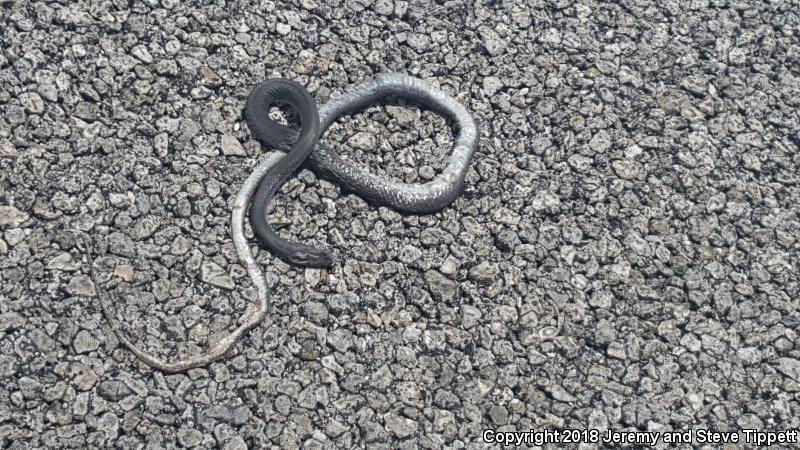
[(293, 96)]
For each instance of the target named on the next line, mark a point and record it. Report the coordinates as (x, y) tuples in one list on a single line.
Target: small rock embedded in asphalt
[(121, 244), (316, 312), (64, 262), (484, 272), (789, 367), (189, 437), (81, 285), (400, 427), (11, 321), (491, 40), (441, 288), (7, 149), (113, 390), (11, 217), (232, 147), (383, 7), (470, 316), (491, 85), (601, 141), (85, 342), (213, 274), (234, 415), (627, 169)]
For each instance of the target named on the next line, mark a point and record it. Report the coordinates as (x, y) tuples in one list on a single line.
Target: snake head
[(315, 258)]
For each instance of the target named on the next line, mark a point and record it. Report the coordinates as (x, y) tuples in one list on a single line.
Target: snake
[(303, 145), (273, 134)]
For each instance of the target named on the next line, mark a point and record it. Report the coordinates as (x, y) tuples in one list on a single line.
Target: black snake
[(267, 176), (412, 198)]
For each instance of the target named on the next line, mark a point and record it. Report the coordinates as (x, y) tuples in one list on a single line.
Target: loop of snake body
[(412, 198), (259, 188)]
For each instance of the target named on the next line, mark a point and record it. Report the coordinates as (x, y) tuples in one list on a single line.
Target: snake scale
[(303, 145)]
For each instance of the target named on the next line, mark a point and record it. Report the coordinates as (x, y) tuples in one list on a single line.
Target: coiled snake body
[(413, 198), (266, 178)]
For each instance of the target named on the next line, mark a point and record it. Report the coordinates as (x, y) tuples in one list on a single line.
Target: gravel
[(624, 255)]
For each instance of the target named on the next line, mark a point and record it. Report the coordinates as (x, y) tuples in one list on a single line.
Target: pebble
[(600, 142), (315, 312), (484, 272), (81, 285), (506, 217), (15, 115), (340, 339), (189, 437), (235, 443), (633, 151), (231, 146), (121, 244), (63, 261), (124, 271), (749, 355), (627, 169), (491, 41), (546, 202), (716, 202), (10, 321), (363, 141), (616, 350), (491, 86), (11, 217), (449, 266), (400, 427), (580, 163), (789, 367), (696, 84), (113, 390), (85, 342), (440, 287), (32, 102), (470, 316), (109, 424), (7, 150), (409, 254), (234, 415), (498, 414), (383, 7), (142, 54), (83, 377), (215, 275)]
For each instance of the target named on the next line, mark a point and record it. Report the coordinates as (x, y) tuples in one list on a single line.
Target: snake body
[(272, 133), (259, 187), (405, 197)]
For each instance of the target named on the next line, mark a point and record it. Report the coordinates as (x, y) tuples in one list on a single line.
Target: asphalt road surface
[(624, 256)]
